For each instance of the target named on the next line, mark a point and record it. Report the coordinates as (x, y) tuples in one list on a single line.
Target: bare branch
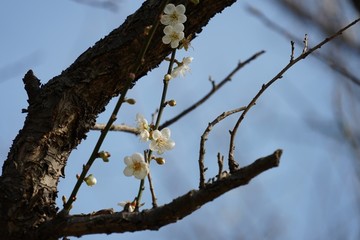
[(328, 60), (232, 165), (154, 219), (204, 137)]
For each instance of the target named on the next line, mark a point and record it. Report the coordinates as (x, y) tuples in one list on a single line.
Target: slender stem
[(165, 87), (94, 154), (138, 198), (153, 196), (148, 156)]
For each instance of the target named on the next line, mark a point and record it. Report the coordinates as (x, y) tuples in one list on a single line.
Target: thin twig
[(306, 43), (215, 88), (292, 50), (220, 164), (118, 127), (204, 137), (330, 62), (153, 196), (232, 164)]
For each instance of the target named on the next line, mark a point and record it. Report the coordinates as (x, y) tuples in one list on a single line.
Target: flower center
[(160, 142), (137, 166), (174, 17)]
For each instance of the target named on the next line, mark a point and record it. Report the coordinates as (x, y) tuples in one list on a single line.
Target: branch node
[(292, 50), (306, 44), (221, 164), (32, 86)]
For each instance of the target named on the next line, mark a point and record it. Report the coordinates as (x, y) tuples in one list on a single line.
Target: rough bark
[(61, 112)]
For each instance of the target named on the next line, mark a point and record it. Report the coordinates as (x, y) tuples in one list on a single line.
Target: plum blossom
[(173, 35), (136, 165), (160, 141), (143, 127), (182, 67), (173, 14)]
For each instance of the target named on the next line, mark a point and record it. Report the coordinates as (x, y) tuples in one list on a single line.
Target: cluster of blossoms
[(137, 165), (159, 142), (173, 20)]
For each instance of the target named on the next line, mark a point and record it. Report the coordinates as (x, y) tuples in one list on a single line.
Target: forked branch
[(306, 52)]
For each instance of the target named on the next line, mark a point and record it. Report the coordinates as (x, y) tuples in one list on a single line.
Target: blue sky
[(307, 197)]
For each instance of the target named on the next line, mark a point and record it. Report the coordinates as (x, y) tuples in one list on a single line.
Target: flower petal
[(138, 157), (180, 9), (166, 132), (128, 171), (169, 8)]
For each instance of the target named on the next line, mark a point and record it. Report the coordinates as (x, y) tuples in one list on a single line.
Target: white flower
[(136, 165), (90, 180), (173, 35), (143, 127), (182, 67), (173, 15), (161, 141)]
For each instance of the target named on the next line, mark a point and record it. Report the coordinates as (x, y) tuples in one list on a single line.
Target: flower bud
[(63, 199), (160, 160), (167, 77), (90, 180), (172, 103), (104, 155), (130, 101)]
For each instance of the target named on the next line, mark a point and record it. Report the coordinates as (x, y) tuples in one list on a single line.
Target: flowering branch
[(107, 221), (232, 163)]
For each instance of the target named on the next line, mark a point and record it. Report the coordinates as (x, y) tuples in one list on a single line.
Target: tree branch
[(232, 164), (154, 219), (333, 64)]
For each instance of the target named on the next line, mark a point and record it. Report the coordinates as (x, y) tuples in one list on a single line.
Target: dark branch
[(156, 218), (204, 138)]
